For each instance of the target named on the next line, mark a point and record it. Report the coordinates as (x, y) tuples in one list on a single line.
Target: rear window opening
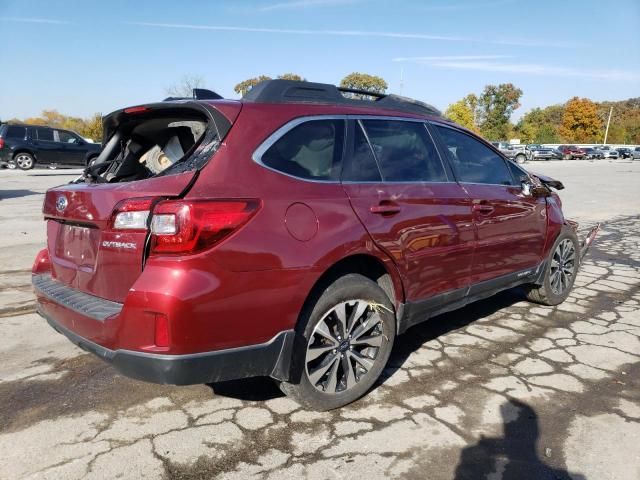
[(148, 142)]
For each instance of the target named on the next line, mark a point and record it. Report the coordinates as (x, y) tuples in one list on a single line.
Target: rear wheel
[(521, 159), (343, 343), (560, 271), (24, 161)]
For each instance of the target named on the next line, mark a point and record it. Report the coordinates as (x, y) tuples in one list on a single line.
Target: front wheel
[(343, 343), (560, 271), (24, 161)]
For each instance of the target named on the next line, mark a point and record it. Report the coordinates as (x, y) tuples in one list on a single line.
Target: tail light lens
[(1, 142), (132, 214), (181, 226)]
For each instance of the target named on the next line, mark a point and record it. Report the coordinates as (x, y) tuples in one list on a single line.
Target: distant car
[(519, 153), (624, 152), (24, 146), (593, 153), (608, 152), (636, 153), (571, 152), (546, 153)]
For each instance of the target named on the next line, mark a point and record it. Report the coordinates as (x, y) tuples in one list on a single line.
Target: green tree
[(580, 121), (540, 125), (364, 81), (496, 104), (291, 76), (184, 87), (243, 87), (463, 112)]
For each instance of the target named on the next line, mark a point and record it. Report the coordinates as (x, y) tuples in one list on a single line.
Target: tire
[(558, 282), (521, 159), (12, 165), (24, 160), (324, 377)]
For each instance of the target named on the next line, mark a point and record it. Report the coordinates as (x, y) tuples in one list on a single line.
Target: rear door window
[(44, 134), (404, 151), (311, 150), (13, 131), (472, 161), (362, 165)]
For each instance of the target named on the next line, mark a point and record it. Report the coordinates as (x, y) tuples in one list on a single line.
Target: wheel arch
[(365, 264), (20, 150)]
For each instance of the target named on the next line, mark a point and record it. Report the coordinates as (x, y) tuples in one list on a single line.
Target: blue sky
[(81, 57)]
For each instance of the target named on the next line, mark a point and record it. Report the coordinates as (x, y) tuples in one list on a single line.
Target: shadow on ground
[(514, 455), (6, 194)]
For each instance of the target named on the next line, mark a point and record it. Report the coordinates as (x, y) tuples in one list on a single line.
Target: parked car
[(546, 153), (636, 153), (294, 238), (24, 146), (593, 153), (519, 153), (611, 153), (624, 152), (570, 152)]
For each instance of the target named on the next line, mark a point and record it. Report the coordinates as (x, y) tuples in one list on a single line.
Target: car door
[(48, 150), (510, 224), (402, 193), (74, 148)]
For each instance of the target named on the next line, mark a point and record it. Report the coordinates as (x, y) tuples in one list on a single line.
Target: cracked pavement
[(500, 389)]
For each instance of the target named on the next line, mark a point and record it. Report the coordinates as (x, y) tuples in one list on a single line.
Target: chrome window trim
[(291, 124), (282, 131)]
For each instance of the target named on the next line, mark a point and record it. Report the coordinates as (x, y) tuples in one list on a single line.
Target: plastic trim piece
[(83, 303), (270, 359)]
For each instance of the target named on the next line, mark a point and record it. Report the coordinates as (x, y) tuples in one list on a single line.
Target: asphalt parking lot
[(500, 389)]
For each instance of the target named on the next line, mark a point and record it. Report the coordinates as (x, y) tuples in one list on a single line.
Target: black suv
[(24, 146)]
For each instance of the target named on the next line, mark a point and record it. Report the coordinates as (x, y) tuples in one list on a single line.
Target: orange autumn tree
[(580, 121)]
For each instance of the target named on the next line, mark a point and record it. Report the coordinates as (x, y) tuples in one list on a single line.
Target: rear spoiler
[(198, 94)]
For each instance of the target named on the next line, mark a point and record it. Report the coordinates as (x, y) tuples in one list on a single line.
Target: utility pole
[(606, 132)]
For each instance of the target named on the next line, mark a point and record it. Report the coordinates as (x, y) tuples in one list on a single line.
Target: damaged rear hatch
[(97, 226)]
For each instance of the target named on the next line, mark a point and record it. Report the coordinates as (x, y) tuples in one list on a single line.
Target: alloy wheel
[(344, 346), (563, 266), (25, 162)]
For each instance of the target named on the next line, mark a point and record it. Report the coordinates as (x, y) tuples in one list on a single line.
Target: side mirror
[(532, 189)]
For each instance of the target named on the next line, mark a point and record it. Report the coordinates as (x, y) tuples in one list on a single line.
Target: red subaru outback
[(292, 234)]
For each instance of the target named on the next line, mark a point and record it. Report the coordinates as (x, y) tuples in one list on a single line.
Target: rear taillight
[(1, 142), (181, 226), (132, 214)]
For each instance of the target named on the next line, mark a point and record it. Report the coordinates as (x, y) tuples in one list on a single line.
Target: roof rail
[(294, 91), (198, 94)]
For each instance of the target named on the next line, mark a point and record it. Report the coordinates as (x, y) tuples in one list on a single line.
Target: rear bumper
[(270, 359)]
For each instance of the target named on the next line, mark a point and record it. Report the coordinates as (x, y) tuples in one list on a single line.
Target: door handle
[(385, 209), (483, 208)]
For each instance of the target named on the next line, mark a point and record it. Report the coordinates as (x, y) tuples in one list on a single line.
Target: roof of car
[(338, 100), (291, 91)]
